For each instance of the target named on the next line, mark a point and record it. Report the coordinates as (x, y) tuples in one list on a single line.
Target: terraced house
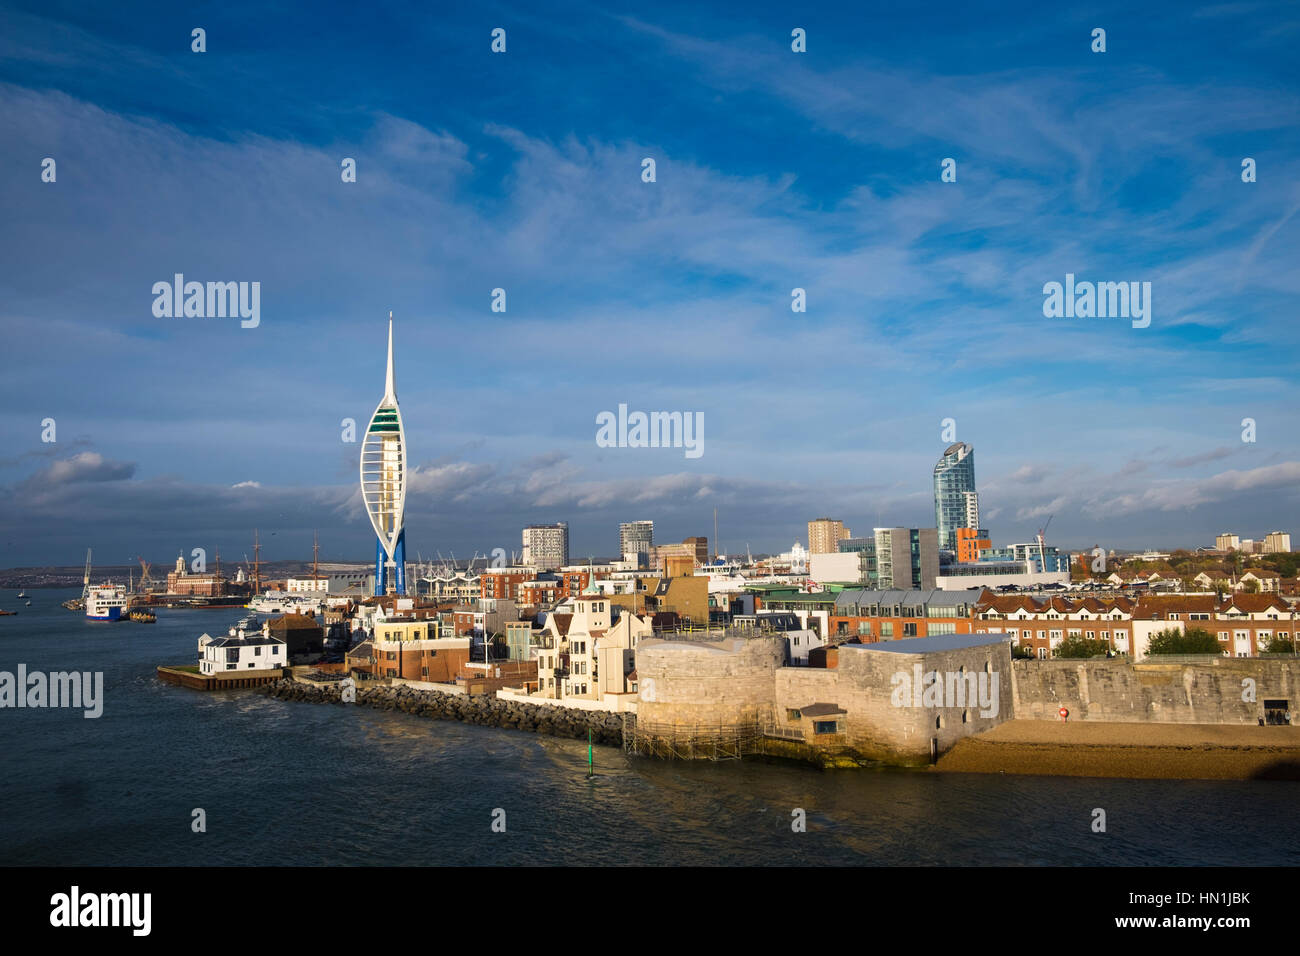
[(1040, 624), (1243, 623)]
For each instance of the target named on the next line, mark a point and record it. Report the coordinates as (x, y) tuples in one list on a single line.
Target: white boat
[(22, 594), (106, 603)]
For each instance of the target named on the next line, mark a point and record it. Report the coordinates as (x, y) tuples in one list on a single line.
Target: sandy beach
[(1102, 749)]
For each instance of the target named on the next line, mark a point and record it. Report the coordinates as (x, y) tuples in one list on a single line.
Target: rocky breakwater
[(606, 728)]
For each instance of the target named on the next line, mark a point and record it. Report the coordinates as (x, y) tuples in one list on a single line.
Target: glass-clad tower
[(383, 484), (956, 505)]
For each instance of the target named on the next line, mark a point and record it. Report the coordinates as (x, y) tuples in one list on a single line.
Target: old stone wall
[(1214, 690), (688, 683)]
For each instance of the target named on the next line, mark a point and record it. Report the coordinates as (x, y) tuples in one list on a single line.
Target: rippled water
[(293, 783)]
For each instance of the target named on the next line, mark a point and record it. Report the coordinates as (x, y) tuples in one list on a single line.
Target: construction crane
[(146, 580), (85, 580), (1042, 538)]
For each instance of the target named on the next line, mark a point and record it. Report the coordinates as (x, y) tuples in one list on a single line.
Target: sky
[(775, 170)]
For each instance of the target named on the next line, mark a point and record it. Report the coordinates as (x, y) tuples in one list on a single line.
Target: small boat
[(28, 604), (143, 617), (22, 594)]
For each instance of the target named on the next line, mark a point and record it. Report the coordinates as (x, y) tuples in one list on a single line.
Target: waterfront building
[(183, 581), (588, 653), (383, 484), (240, 651), (302, 635), (825, 534), (416, 650), (546, 546), (956, 503)]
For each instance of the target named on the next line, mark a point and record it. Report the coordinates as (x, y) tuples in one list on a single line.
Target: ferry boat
[(107, 603)]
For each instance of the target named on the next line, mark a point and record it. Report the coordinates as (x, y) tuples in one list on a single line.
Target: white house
[(239, 651), (1269, 581)]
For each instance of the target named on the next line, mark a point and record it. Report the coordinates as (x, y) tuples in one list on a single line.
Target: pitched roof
[(1254, 603), (1151, 605), (294, 621)]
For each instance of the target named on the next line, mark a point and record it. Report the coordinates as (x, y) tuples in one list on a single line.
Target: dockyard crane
[(146, 580), (85, 580)]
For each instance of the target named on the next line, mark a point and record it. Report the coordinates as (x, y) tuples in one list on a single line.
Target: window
[(909, 629), (886, 628), (826, 726)]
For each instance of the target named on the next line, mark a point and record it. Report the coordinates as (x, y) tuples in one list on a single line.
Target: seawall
[(483, 710), (1185, 690)]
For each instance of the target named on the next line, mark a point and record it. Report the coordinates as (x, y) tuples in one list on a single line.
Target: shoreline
[(1134, 751), (606, 728)]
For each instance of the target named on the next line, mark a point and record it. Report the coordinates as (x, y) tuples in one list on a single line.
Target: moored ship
[(106, 603)]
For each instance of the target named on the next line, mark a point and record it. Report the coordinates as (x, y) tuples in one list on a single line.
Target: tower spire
[(390, 387)]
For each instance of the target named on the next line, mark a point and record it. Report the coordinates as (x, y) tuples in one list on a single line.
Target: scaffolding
[(720, 741)]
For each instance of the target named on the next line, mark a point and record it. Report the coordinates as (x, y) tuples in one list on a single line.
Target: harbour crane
[(146, 580)]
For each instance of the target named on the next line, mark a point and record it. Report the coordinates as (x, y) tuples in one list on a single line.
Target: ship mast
[(257, 564)]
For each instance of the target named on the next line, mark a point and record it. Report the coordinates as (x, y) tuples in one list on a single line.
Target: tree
[(1251, 586), (1195, 640), (1076, 647), (1277, 644), (1021, 653)]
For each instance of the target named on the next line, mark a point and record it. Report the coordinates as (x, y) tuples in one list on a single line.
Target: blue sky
[(521, 170)]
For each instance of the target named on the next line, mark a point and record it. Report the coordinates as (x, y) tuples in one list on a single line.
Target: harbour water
[(299, 784)]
